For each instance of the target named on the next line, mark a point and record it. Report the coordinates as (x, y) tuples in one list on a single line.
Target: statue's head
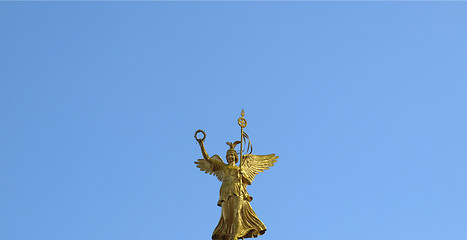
[(232, 155)]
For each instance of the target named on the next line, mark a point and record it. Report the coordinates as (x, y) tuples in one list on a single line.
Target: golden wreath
[(196, 135)]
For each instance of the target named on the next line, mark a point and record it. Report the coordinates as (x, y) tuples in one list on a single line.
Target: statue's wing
[(215, 168), (251, 165)]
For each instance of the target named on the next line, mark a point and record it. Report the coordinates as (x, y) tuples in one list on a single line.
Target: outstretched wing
[(251, 165), (214, 168)]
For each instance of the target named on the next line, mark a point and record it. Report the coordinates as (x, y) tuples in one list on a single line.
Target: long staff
[(242, 123)]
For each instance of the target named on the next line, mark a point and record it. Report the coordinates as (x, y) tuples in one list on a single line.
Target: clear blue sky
[(364, 102)]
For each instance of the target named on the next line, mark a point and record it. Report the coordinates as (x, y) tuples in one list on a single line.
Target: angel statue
[(238, 220)]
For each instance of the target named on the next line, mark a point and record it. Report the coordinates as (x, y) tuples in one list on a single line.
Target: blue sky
[(364, 102)]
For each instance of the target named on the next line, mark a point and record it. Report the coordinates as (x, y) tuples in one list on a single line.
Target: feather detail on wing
[(251, 165), (214, 167)]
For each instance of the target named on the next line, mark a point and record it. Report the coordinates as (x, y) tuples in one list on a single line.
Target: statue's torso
[(232, 184)]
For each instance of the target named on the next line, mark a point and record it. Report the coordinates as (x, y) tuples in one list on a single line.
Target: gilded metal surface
[(238, 220), (241, 120)]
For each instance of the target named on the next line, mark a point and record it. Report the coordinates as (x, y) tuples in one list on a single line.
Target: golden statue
[(238, 220)]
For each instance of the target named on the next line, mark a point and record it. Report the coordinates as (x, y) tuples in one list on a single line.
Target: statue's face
[(230, 157)]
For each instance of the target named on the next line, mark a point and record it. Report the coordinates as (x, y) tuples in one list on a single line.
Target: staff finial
[(242, 123), (241, 120)]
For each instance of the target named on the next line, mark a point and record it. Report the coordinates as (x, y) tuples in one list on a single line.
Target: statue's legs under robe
[(238, 220)]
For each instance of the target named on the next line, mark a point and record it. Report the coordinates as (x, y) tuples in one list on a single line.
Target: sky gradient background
[(364, 102)]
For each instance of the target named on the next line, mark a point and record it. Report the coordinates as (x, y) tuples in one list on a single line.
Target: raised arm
[(203, 151), (215, 161), (212, 165)]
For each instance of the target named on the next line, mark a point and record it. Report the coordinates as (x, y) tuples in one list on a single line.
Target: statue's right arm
[(214, 163), (203, 151)]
